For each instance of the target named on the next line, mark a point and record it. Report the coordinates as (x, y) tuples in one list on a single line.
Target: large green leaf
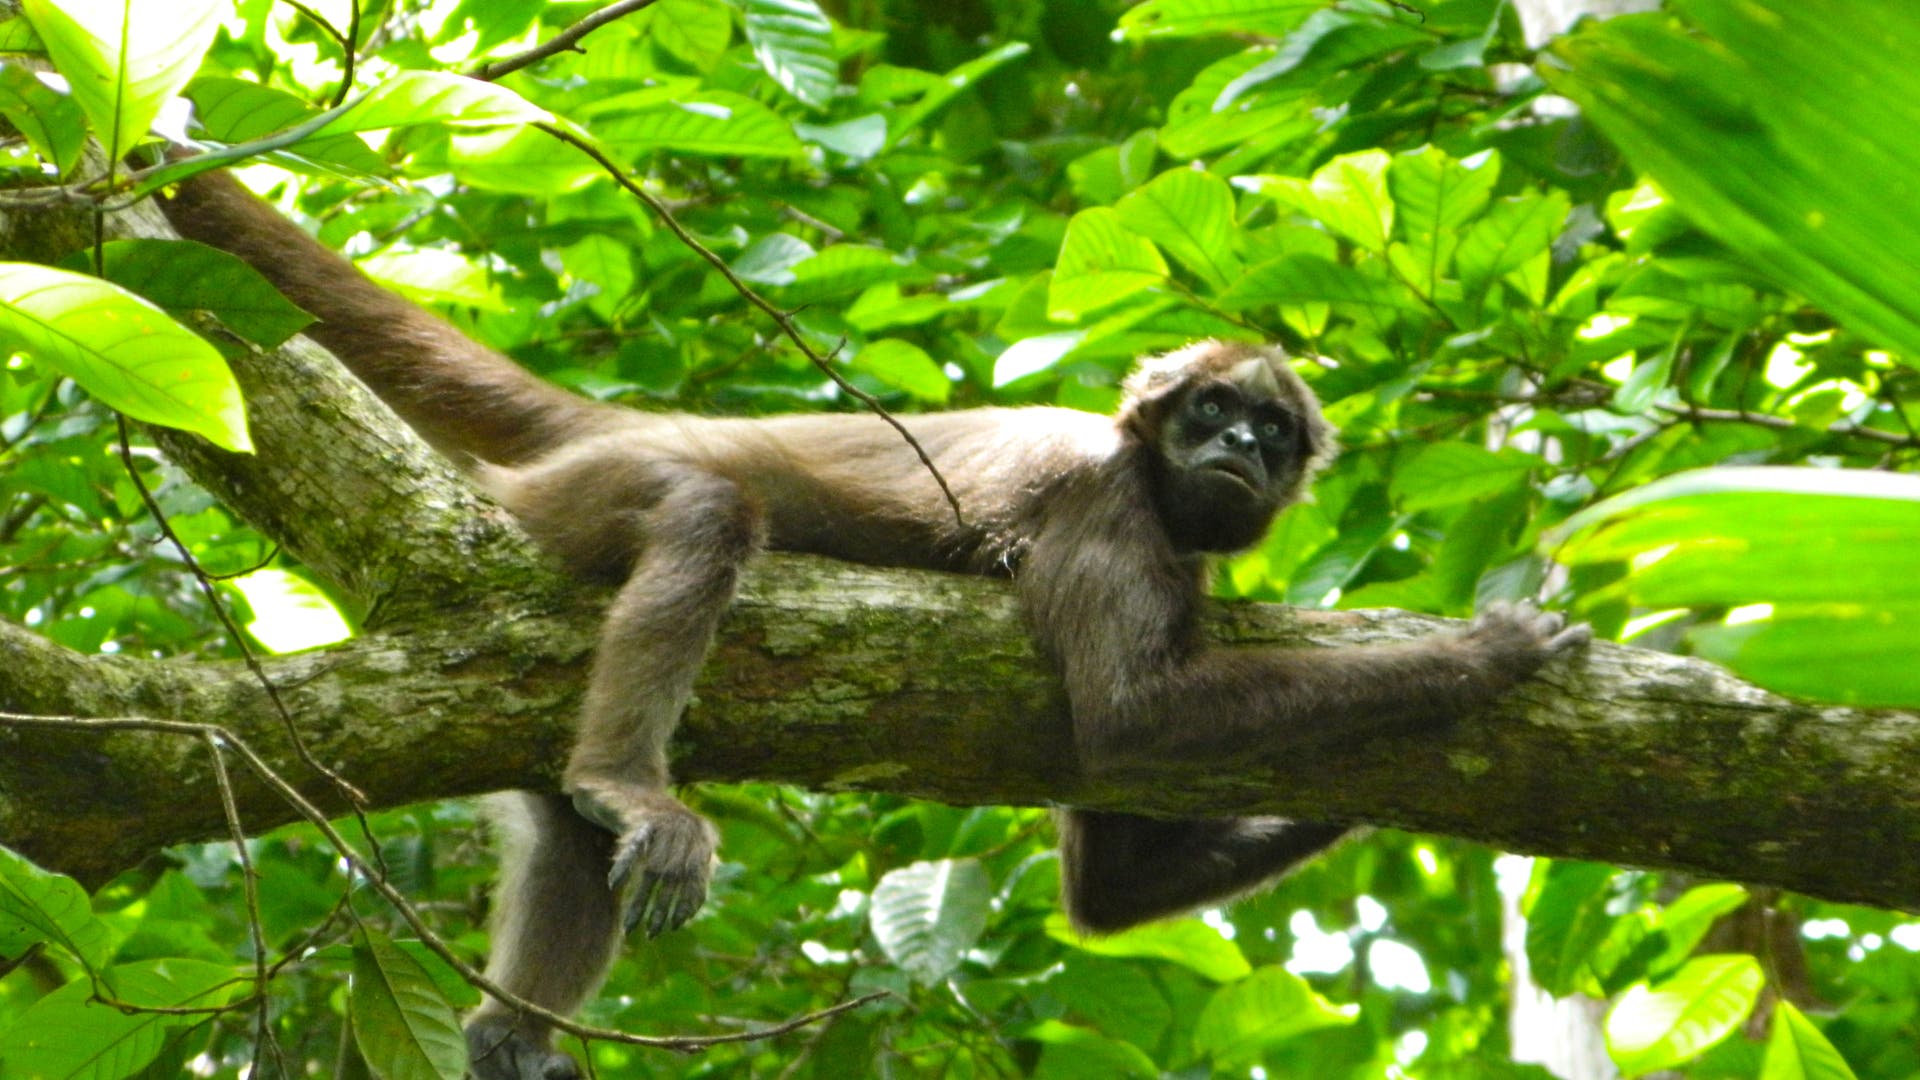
[(1830, 550), (1246, 1018), (1436, 196), (1567, 921), (1101, 263), (1781, 129), (1653, 1028), (1194, 18), (709, 122), (1189, 215), (1311, 279), (36, 905), (69, 1036), (944, 89), (183, 276), (1188, 942), (927, 915), (793, 40), (122, 349), (430, 97), (1798, 1051), (401, 1021), (238, 111), (125, 58), (1348, 195), (53, 125), (1449, 473)]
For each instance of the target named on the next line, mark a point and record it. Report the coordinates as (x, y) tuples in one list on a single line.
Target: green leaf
[(1830, 550), (945, 88), (1436, 196), (1190, 215), (1245, 1019), (1075, 1053), (68, 1036), (36, 905), (238, 111), (122, 349), (1650, 1029), (430, 97), (1685, 921), (402, 1022), (514, 160), (184, 276), (436, 276), (1514, 231), (695, 31), (124, 59), (843, 269), (1348, 195), (1746, 116), (905, 366), (1188, 942), (1312, 279), (52, 123), (928, 914), (1196, 18), (793, 40), (713, 122), (1798, 1051), (1448, 473), (1567, 922), (1101, 263)]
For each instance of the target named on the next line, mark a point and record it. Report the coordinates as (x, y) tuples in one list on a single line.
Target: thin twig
[(1782, 423), (401, 906), (355, 796), (351, 46), (564, 41), (320, 21), (263, 1036), (782, 319)]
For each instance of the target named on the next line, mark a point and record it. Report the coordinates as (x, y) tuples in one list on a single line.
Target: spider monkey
[(1102, 523)]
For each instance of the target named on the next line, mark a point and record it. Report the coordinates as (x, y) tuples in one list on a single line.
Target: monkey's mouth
[(1238, 471)]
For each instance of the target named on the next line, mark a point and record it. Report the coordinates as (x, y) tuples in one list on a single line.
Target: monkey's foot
[(495, 1051), (1518, 638), (663, 858)]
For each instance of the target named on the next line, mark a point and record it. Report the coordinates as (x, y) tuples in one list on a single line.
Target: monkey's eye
[(1210, 409), (1270, 430)]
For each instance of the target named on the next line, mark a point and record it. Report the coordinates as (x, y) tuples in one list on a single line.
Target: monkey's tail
[(465, 399)]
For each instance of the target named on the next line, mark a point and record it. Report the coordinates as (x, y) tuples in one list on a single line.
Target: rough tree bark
[(833, 676)]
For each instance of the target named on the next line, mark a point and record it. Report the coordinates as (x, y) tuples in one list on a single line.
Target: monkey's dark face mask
[(1229, 462)]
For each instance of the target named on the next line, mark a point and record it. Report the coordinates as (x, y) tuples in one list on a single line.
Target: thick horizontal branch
[(838, 677)]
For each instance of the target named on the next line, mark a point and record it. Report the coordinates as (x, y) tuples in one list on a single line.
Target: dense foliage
[(1001, 202)]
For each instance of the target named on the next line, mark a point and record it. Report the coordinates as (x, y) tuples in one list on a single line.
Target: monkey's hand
[(1514, 640), (663, 858)]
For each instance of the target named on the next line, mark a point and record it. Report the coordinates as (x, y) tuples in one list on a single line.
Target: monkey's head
[(1234, 436)]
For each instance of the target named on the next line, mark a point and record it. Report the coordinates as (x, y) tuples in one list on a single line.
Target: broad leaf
[(122, 349), (1449, 473), (1194, 18), (793, 40), (1101, 263), (1244, 1019), (36, 905), (68, 1036), (1188, 942), (125, 59), (401, 1021), (184, 276), (1653, 1028), (51, 122), (1798, 1051), (713, 122), (927, 915), (430, 97), (1190, 216)]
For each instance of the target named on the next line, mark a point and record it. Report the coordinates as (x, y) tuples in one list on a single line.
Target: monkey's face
[(1234, 449)]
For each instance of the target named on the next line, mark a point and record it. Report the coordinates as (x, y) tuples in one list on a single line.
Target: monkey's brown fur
[(1102, 523)]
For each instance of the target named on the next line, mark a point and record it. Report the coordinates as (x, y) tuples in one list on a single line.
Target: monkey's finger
[(631, 849), (645, 897), (1577, 636)]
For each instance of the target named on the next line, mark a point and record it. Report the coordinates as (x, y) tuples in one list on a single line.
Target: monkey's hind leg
[(657, 633), (555, 930), (1119, 870)]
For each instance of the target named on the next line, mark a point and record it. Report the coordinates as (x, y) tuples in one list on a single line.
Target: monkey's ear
[(1154, 386)]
